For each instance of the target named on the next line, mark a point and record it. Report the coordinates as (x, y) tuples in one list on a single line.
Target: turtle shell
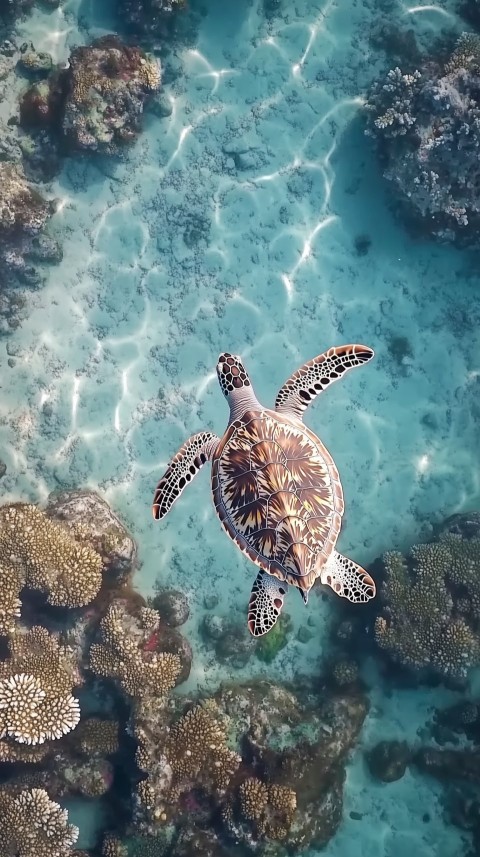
[(278, 495)]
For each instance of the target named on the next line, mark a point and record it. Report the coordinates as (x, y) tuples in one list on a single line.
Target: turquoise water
[(264, 149)]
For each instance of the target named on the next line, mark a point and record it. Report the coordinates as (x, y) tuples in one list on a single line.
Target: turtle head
[(231, 373), (235, 383)]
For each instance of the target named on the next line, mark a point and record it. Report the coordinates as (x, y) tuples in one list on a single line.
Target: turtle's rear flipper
[(198, 449), (347, 579), (318, 374), (265, 605)]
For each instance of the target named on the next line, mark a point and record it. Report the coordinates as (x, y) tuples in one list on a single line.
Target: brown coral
[(269, 808), (124, 656), (197, 751), (11, 583), (31, 825), (69, 574), (95, 737)]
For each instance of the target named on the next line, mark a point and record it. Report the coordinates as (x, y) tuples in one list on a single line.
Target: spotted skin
[(347, 579), (278, 495), (265, 605), (185, 465), (316, 375), (231, 373)]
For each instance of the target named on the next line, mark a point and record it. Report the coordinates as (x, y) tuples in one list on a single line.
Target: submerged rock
[(172, 605), (388, 760), (91, 518)]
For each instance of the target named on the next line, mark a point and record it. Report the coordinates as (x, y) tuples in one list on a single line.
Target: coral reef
[(23, 216), (47, 557), (36, 681), (426, 125), (92, 522), (149, 18), (127, 653), (431, 606), (96, 104), (31, 825)]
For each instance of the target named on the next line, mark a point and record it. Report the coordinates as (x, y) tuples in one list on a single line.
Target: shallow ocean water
[(264, 156)]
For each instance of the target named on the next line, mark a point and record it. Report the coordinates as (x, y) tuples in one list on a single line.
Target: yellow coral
[(150, 73), (49, 559), (121, 656)]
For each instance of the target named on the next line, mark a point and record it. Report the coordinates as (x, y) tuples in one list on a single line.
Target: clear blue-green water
[(122, 340)]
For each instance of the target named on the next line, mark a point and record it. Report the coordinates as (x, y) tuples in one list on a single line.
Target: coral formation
[(431, 606), (151, 18), (426, 125), (32, 825), (269, 808), (47, 557), (36, 681), (124, 653), (23, 216), (92, 522)]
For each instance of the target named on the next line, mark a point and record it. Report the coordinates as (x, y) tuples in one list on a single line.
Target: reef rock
[(172, 606), (388, 760), (449, 764), (23, 215), (301, 749), (427, 128), (106, 87), (91, 518), (151, 18)]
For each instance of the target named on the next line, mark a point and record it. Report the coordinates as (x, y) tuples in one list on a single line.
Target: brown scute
[(277, 493)]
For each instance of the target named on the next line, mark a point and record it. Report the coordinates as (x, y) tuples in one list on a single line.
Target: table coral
[(421, 624), (11, 584), (123, 654), (51, 561), (427, 128), (32, 825)]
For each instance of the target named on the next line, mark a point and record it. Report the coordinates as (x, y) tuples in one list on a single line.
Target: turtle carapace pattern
[(276, 489)]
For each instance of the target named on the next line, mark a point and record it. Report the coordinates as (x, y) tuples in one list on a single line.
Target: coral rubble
[(426, 125)]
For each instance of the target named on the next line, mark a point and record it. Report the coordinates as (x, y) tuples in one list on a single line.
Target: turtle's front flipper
[(316, 375), (265, 605), (347, 579), (198, 449)]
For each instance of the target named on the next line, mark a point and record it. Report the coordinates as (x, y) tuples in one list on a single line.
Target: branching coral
[(421, 625), (124, 655), (269, 808), (31, 825), (11, 583), (36, 703), (69, 574), (197, 751), (427, 126)]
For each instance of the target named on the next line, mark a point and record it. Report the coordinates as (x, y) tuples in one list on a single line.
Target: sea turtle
[(275, 486)]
